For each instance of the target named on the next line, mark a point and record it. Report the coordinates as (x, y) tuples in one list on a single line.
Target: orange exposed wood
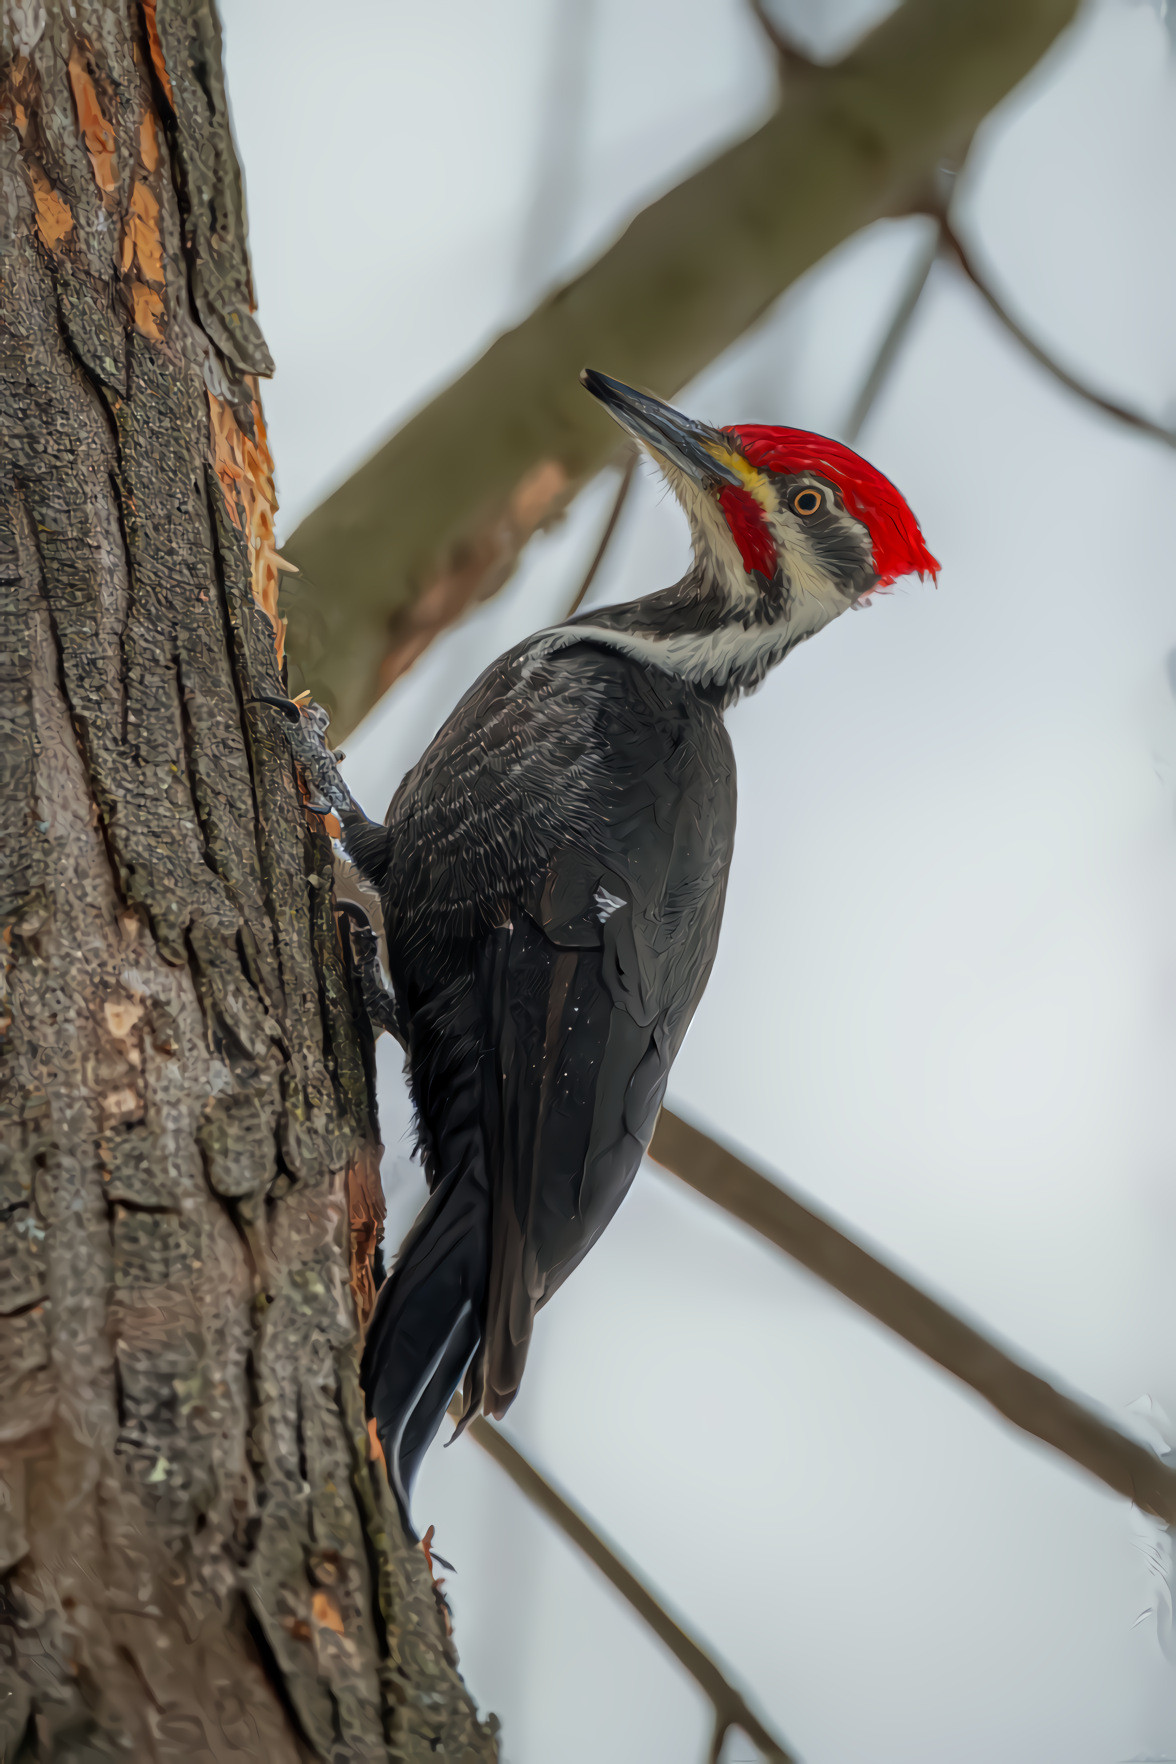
[(156, 48), (148, 143), (326, 1612), (141, 238), (246, 474), (18, 68), (97, 133), (147, 309), (54, 219), (365, 1207)]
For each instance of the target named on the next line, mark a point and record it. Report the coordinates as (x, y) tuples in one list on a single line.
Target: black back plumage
[(552, 878)]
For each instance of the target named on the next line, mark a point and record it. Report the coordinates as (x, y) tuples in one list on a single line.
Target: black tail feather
[(427, 1326)]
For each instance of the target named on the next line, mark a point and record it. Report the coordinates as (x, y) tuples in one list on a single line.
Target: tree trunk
[(200, 1559)]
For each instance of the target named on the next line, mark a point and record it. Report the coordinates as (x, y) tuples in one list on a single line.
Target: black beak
[(678, 438)]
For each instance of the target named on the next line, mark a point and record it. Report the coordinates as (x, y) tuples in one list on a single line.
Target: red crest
[(899, 548)]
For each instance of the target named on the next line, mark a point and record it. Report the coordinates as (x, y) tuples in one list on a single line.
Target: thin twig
[(560, 148), (892, 342), (731, 1710), (1132, 418), (791, 58), (1023, 1398), (610, 528)]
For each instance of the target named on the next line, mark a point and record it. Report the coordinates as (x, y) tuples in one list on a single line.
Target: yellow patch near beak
[(753, 481)]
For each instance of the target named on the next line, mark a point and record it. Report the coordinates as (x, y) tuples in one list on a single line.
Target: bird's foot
[(306, 732), (379, 1000)]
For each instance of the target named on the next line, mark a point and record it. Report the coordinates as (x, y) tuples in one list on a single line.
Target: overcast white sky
[(945, 1002)]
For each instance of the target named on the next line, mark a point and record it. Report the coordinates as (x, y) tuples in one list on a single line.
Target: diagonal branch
[(731, 1709), (437, 518), (1023, 1398), (1134, 419), (891, 344), (559, 151)]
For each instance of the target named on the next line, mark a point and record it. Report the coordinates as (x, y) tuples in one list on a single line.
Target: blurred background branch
[(560, 147), (436, 520), (610, 527), (896, 333), (945, 241), (965, 258), (792, 59), (1023, 1398), (730, 1707)]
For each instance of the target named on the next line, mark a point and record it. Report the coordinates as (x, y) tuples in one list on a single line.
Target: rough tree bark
[(200, 1561)]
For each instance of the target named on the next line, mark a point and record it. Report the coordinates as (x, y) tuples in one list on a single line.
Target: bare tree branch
[(718, 1734), (791, 59), (436, 520), (560, 147), (1110, 407), (891, 344), (1023, 1398), (610, 528), (731, 1709)]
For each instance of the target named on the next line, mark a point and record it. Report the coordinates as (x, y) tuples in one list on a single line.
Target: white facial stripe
[(705, 658)]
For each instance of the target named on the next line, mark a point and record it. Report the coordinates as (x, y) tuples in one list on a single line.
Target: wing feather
[(571, 830)]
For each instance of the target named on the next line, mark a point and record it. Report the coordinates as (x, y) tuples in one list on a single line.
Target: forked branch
[(1134, 419), (791, 59), (946, 242)]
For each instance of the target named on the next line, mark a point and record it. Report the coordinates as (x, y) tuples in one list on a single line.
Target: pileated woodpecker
[(552, 875)]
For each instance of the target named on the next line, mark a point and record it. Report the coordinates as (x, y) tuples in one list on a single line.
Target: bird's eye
[(807, 502)]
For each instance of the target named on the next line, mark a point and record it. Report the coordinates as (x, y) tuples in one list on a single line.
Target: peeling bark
[(199, 1558)]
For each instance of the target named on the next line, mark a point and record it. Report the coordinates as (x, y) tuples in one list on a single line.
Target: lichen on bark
[(199, 1558)]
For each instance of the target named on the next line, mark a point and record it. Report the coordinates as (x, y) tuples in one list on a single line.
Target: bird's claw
[(306, 731), (287, 706), (379, 1002)]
